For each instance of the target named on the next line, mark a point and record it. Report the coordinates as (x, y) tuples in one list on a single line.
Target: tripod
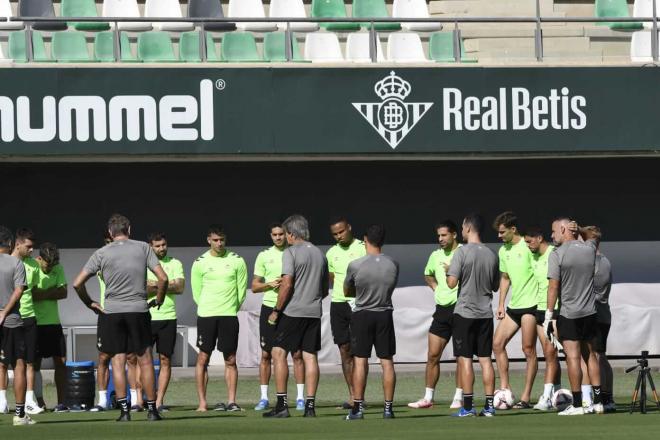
[(643, 375)]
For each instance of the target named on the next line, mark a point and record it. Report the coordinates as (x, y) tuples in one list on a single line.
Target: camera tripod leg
[(655, 393), (642, 392), (636, 392)]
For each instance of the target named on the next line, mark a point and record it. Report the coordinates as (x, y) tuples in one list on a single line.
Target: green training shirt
[(338, 258), (219, 284), (444, 296), (516, 261), (540, 265), (269, 267), (174, 271), (31, 274), (47, 310)]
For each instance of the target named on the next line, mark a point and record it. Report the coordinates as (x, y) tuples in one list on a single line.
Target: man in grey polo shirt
[(371, 280), (475, 269), (126, 324), (571, 270), (297, 313)]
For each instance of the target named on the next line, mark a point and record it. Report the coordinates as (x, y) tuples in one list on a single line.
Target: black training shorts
[(218, 331), (517, 314), (340, 322), (443, 322), (473, 337), (293, 334), (580, 329), (12, 345), (163, 336), (52, 342), (373, 329), (31, 339), (124, 333), (266, 331), (600, 340)]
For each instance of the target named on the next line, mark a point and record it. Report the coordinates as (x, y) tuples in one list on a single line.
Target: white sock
[(301, 391), (103, 398), (133, 397), (586, 395), (458, 395), (264, 392), (428, 393), (38, 385), (547, 390), (3, 397), (29, 397)]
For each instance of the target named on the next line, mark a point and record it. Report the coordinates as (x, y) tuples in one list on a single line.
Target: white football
[(503, 399), (561, 399)]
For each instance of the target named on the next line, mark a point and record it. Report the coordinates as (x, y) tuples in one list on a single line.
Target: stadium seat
[(332, 9), (414, 9), (275, 47), (441, 48), (239, 47), (405, 47), (357, 48), (640, 47), (374, 8), (125, 8), (189, 48), (209, 9), (644, 8), (17, 50), (5, 11), (40, 8), (70, 47), (293, 9), (82, 8), (250, 8), (323, 47), (166, 9), (615, 8), (155, 47), (104, 48)]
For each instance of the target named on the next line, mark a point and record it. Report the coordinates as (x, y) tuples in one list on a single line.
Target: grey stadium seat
[(40, 8), (209, 8)]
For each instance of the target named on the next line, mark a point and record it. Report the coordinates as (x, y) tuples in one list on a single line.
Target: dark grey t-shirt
[(309, 269), (602, 288), (573, 264), (374, 278), (477, 270), (123, 265), (12, 275)]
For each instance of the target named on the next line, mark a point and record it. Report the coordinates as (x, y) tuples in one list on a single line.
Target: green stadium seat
[(156, 47), (441, 48), (17, 51), (104, 48), (239, 47), (70, 47), (332, 9), (82, 8), (189, 48), (275, 47), (374, 8), (615, 8)]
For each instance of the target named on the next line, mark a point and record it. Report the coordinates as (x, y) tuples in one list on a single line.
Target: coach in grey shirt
[(297, 313), (12, 279)]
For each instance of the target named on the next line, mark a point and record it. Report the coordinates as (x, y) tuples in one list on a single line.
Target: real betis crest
[(393, 118)]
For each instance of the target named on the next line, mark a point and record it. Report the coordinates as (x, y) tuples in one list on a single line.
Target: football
[(561, 399), (503, 399)]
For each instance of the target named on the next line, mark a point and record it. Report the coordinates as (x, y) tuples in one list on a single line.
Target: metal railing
[(538, 20)]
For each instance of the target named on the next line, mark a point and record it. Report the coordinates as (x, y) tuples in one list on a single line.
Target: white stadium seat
[(644, 8), (247, 9), (125, 8), (5, 11), (166, 9), (293, 9), (323, 47), (640, 47), (414, 9), (357, 48), (405, 47)]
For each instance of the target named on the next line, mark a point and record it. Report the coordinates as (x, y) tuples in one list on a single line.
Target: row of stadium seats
[(157, 46), (213, 9)]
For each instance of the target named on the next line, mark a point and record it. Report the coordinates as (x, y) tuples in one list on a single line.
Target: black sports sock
[(282, 401), (20, 410), (310, 402), (489, 401), (123, 404), (151, 405), (598, 395), (577, 399), (388, 406), (357, 406), (467, 401)]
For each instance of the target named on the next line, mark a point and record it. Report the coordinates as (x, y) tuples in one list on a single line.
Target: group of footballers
[(557, 293)]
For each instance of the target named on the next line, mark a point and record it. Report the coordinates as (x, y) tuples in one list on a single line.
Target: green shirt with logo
[(516, 260), (174, 271), (219, 284), (540, 264), (444, 296), (269, 267), (338, 258), (31, 274), (47, 310)]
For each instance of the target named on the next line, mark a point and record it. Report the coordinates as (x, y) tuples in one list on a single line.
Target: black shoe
[(233, 407), (277, 413), (309, 412), (388, 414), (153, 416), (220, 407), (124, 417)]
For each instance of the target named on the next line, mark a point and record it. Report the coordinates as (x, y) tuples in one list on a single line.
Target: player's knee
[(230, 360), (498, 346), (165, 361), (202, 358), (529, 351)]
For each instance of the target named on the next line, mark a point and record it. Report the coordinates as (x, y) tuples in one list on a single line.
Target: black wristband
[(276, 310)]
